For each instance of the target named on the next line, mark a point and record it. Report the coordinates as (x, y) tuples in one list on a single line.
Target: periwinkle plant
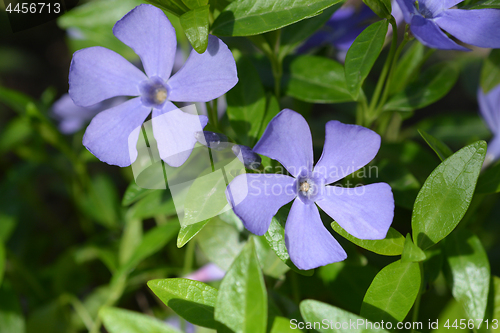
[(271, 209)]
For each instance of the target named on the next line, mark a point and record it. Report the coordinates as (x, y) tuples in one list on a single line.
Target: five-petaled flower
[(477, 27), (489, 106), (366, 212), (97, 74)]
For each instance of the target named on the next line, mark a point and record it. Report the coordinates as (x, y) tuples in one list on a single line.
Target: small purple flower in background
[(479, 27), (366, 212), (489, 106), (208, 273), (97, 74), (72, 117)]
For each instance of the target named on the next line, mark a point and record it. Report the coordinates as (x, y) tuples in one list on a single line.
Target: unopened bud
[(247, 156), (216, 141)]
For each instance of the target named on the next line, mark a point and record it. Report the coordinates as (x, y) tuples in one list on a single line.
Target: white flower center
[(160, 95), (304, 187)]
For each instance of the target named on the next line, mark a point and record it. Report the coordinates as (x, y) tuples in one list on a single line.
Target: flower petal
[(308, 242), (347, 149), (489, 106), (112, 134), (493, 152), (407, 8), (175, 133), (288, 140), (438, 6), (366, 212), (256, 198), (204, 76), (97, 73), (150, 34), (479, 27), (429, 34)]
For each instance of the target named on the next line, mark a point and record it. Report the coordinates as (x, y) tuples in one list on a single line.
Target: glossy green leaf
[(192, 300), (242, 300), (315, 79), (275, 236), (315, 312), (362, 55), (195, 25), (470, 272), (382, 8), (446, 195), (246, 103), (124, 321), (134, 193), (177, 7), (11, 316), (489, 180), (441, 149), (490, 74), (392, 293), (411, 252), (187, 232), (252, 17), (220, 242), (434, 83), (391, 245), (486, 4), (195, 3), (407, 67), (271, 264), (153, 241), (293, 35)]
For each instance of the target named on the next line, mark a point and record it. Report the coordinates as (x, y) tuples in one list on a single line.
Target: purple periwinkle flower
[(366, 212), (208, 273), (479, 27), (489, 106), (247, 156), (98, 73)]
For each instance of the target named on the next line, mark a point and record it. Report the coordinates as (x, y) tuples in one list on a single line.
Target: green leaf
[(490, 74), (362, 55), (293, 35), (253, 17), (489, 180), (496, 300), (102, 203), (282, 325), (315, 311), (134, 193), (272, 109), (246, 103), (176, 7), (315, 79), (431, 86), (2, 261), (156, 202), (17, 101), (470, 272), (242, 300), (441, 149), (11, 316), (195, 25), (407, 67), (271, 264), (131, 239), (220, 242), (486, 4), (275, 236), (446, 195), (391, 245), (153, 241), (195, 3), (192, 300), (124, 321), (411, 252), (392, 293), (187, 232), (382, 8)]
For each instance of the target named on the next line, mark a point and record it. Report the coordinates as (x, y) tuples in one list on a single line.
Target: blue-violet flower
[(98, 73), (366, 212), (477, 27), (489, 106)]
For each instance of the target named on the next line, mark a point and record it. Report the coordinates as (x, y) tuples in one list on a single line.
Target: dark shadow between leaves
[(195, 313), (376, 315)]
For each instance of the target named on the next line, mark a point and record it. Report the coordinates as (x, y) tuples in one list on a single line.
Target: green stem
[(385, 69), (189, 258), (212, 116)]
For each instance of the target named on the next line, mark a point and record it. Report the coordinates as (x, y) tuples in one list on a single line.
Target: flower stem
[(385, 70)]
